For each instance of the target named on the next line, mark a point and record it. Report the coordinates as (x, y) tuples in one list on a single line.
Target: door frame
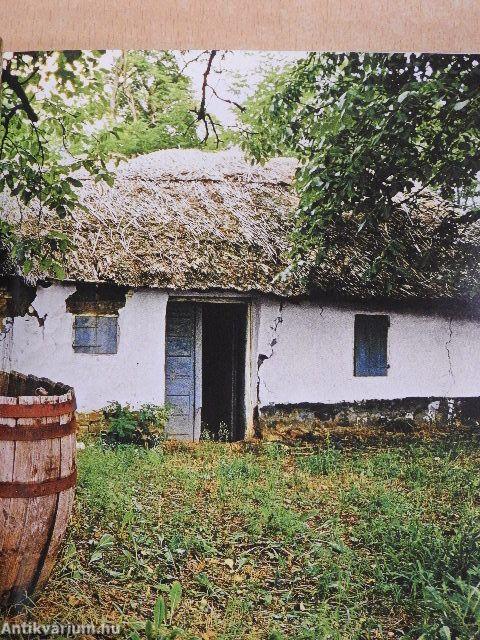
[(227, 297), (197, 399)]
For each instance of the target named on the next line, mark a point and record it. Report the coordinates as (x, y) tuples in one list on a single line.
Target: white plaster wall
[(312, 360), (6, 343), (309, 354), (136, 374)]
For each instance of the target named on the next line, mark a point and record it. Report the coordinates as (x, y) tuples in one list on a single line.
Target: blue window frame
[(95, 334), (371, 341)]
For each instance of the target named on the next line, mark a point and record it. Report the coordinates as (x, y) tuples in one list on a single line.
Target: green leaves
[(151, 107), (42, 253), (144, 427), (45, 138), (105, 542), (159, 612), (366, 128), (160, 628), (175, 597)]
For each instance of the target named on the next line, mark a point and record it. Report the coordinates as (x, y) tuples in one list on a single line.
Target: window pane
[(95, 334), (371, 345), (85, 337), (107, 334)]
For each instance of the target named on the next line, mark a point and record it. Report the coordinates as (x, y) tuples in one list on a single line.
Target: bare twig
[(239, 106), (201, 111)]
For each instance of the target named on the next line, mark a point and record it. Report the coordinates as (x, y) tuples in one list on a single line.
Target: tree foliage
[(70, 111), (44, 141), (366, 128), (151, 105)]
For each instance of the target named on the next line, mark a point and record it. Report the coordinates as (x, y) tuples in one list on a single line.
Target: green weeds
[(272, 543)]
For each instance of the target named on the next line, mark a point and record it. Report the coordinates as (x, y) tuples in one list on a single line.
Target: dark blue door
[(180, 369)]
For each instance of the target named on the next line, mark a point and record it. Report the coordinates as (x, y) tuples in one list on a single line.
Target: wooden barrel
[(37, 480)]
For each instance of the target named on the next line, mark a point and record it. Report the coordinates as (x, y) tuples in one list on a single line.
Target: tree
[(71, 111), (374, 134), (44, 141), (151, 105)]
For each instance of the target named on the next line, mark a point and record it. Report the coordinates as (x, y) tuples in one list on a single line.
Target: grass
[(276, 543)]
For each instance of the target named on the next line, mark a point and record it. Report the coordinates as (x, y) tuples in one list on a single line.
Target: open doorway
[(224, 329), (205, 369)]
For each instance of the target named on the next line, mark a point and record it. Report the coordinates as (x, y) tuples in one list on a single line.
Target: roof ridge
[(235, 177)]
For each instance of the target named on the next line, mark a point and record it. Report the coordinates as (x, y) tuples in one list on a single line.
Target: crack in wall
[(262, 356), (447, 347)]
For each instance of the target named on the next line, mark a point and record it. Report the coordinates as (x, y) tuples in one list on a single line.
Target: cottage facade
[(172, 296)]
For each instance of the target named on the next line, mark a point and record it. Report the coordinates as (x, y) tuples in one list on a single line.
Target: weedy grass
[(266, 542)]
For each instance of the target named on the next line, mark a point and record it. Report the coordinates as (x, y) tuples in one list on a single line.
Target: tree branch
[(6, 123), (13, 82), (239, 106), (202, 112)]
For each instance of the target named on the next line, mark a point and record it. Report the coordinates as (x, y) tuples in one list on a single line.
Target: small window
[(371, 345), (95, 334)]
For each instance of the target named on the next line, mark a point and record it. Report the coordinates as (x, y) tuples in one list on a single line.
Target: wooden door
[(182, 369)]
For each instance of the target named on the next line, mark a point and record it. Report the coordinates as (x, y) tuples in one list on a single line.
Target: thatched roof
[(182, 219), (426, 256), (188, 219)]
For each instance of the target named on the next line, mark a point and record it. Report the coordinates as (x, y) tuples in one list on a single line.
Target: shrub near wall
[(121, 424), (144, 427)]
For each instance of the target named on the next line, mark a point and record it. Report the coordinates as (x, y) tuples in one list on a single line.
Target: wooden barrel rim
[(37, 489), (43, 410), (36, 433)]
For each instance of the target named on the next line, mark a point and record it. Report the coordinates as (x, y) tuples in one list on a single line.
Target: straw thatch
[(181, 219), (425, 256), (187, 219)]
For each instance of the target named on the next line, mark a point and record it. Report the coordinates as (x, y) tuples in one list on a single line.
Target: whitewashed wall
[(309, 354), (312, 359), (136, 374)]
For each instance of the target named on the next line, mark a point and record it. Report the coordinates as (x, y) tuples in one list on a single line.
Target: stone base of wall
[(92, 422), (305, 421)]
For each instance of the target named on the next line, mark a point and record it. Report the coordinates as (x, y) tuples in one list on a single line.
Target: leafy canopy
[(62, 112), (365, 128), (39, 126), (151, 105)]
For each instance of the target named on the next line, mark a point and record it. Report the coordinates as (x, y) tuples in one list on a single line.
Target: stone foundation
[(93, 422), (304, 421), (307, 421)]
